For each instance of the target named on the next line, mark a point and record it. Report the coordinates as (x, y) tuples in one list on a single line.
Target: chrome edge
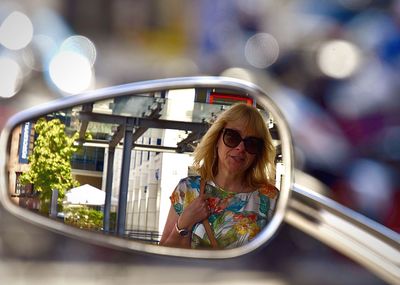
[(350, 233)]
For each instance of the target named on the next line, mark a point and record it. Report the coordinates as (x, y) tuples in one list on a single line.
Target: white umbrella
[(87, 195)]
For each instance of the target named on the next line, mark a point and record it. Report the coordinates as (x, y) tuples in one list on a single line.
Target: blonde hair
[(262, 171)]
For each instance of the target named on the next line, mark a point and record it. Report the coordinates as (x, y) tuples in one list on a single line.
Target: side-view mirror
[(101, 166)]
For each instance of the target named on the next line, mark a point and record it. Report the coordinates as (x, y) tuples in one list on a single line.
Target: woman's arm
[(197, 211), (170, 236)]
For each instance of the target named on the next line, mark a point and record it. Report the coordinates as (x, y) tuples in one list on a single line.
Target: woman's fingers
[(197, 211), (205, 207)]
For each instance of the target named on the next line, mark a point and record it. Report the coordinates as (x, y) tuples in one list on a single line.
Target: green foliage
[(113, 220), (50, 162), (84, 217)]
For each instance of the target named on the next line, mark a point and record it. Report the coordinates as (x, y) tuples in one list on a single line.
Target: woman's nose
[(240, 146)]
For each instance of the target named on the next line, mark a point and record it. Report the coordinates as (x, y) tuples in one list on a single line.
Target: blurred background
[(332, 66)]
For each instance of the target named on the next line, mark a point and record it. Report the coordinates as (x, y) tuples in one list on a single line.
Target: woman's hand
[(194, 213)]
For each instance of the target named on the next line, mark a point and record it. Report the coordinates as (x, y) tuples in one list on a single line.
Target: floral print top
[(235, 218)]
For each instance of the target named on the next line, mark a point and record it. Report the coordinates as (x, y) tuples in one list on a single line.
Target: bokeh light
[(11, 77), (80, 45), (16, 31), (71, 72), (261, 50), (338, 59)]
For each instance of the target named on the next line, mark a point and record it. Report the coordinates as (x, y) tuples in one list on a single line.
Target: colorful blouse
[(235, 218)]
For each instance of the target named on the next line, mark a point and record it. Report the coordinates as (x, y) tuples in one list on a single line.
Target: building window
[(21, 189), (158, 143)]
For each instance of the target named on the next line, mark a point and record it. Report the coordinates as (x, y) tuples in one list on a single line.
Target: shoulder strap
[(206, 225)]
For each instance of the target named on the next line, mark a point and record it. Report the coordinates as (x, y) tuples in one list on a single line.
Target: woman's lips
[(238, 159)]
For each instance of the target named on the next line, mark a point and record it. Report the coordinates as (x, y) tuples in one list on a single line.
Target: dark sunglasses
[(232, 138)]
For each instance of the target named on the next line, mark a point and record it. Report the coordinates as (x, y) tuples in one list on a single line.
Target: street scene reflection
[(110, 166)]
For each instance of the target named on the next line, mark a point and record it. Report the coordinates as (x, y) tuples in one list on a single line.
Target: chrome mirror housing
[(119, 121)]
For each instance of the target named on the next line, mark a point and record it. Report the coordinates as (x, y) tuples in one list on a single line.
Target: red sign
[(229, 98)]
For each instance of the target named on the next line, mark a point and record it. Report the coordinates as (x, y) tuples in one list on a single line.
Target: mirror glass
[(110, 166)]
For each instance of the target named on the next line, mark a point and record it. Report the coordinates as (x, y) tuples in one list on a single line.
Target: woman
[(236, 160)]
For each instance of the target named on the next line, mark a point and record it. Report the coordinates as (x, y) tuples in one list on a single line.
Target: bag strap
[(206, 224)]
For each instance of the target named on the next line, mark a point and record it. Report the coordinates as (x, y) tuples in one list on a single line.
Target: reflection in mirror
[(110, 166)]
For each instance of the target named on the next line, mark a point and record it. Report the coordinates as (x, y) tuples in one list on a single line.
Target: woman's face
[(235, 160)]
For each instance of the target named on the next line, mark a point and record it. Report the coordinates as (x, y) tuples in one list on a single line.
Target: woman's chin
[(236, 170)]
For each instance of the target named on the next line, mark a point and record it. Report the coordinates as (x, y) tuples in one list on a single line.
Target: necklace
[(241, 189)]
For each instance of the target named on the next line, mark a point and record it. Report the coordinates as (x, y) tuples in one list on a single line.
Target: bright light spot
[(338, 59), (261, 50), (70, 72), (16, 32), (80, 45), (239, 73), (11, 77)]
